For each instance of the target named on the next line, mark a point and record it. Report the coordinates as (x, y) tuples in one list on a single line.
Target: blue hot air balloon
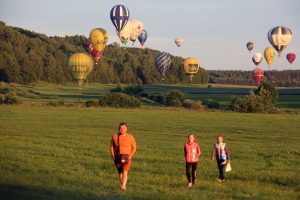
[(143, 37), (119, 16), (163, 62)]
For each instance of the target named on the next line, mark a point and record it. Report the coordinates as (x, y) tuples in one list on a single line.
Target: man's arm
[(133, 148), (111, 148)]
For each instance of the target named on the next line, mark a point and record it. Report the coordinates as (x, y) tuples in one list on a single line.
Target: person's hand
[(212, 158), (113, 157), (129, 157), (228, 161)]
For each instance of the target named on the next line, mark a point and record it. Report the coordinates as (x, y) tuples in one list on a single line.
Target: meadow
[(289, 98), (62, 152)]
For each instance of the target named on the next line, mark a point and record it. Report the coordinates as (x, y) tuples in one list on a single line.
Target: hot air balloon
[(95, 54), (280, 37), (269, 55), (163, 63), (97, 42), (143, 37), (191, 67), (179, 42), (125, 33), (258, 74), (137, 28), (291, 57), (119, 16), (250, 46), (257, 57), (80, 65)]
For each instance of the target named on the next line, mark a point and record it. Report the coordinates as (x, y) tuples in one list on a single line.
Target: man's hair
[(222, 136), (122, 124)]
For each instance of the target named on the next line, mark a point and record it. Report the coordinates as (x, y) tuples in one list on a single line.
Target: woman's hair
[(195, 139), (122, 124), (222, 136)]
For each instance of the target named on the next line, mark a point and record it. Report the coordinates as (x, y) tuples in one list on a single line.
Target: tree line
[(27, 57)]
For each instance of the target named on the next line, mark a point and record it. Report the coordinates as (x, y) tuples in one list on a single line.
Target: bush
[(12, 98), (120, 100), (2, 98), (92, 103), (211, 104), (269, 87), (174, 98), (263, 102), (191, 104)]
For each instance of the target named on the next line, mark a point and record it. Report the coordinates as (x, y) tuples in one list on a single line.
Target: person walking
[(122, 149), (221, 152), (192, 153)]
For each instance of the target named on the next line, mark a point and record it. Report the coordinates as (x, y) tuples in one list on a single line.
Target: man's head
[(123, 128)]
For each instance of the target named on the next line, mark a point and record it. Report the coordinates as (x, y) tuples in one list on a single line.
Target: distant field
[(62, 153), (44, 93)]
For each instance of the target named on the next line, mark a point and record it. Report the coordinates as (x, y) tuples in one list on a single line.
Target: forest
[(27, 57)]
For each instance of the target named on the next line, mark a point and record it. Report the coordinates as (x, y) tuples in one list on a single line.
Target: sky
[(215, 31)]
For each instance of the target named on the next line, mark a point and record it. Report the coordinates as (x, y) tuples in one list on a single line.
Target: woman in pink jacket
[(191, 153)]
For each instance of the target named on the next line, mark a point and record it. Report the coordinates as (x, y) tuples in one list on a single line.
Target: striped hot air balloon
[(163, 63), (280, 37), (119, 16), (80, 65)]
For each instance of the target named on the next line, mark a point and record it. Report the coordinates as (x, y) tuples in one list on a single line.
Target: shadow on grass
[(22, 192)]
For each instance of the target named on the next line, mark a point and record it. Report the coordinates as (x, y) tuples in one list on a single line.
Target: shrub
[(92, 103), (211, 104), (2, 97), (256, 103), (269, 87), (191, 104), (160, 99), (12, 98), (188, 103), (174, 98), (120, 100)]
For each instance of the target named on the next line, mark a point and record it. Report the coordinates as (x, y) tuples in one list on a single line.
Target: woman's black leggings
[(221, 168), (191, 167)]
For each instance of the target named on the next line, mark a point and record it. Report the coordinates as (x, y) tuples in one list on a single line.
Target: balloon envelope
[(250, 45), (125, 33), (269, 54), (257, 58), (80, 65), (291, 57), (119, 16), (258, 74), (179, 41), (98, 38), (191, 67), (143, 37), (280, 37), (163, 62), (136, 29)]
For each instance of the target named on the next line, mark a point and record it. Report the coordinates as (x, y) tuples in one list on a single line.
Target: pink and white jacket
[(192, 152)]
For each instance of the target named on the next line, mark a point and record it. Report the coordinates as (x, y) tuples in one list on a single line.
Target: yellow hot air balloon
[(191, 67), (269, 55), (80, 66), (98, 38)]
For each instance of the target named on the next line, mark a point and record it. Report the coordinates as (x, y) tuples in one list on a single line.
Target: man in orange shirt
[(122, 143)]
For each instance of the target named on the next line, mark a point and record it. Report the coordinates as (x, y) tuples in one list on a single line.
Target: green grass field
[(45, 93), (62, 153)]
